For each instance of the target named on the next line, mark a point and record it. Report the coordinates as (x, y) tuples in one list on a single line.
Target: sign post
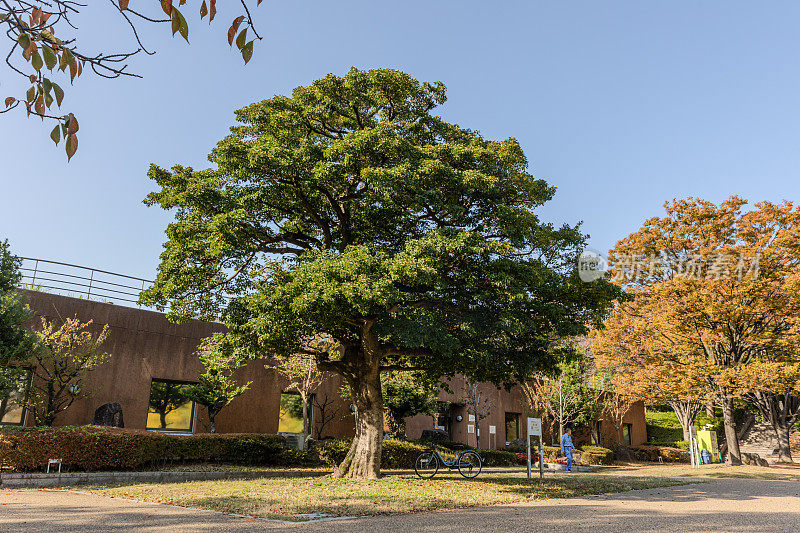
[(535, 428)]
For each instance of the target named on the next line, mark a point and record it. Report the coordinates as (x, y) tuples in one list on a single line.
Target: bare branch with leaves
[(41, 38)]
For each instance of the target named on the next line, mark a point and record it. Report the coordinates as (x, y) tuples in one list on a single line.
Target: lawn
[(286, 495)]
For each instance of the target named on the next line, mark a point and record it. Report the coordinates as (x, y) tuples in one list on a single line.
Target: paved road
[(719, 505)]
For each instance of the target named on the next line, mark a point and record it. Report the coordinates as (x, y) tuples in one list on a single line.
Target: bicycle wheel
[(470, 464), (426, 465)]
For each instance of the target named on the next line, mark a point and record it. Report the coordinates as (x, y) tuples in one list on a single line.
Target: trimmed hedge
[(394, 453), (498, 457), (92, 448), (680, 444), (596, 455), (650, 454)]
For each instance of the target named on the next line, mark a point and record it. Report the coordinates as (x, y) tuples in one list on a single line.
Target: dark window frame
[(629, 439), (311, 398), (518, 417), (25, 397), (181, 431)]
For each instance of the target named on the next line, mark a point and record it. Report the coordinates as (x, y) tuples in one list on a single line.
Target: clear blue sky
[(621, 105)]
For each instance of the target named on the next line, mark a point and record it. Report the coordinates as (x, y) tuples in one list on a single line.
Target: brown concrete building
[(152, 356)]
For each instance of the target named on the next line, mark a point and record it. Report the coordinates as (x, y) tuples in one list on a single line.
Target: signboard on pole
[(535, 426)]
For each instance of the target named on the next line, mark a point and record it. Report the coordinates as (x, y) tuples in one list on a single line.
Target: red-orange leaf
[(72, 145), (72, 124), (232, 30)]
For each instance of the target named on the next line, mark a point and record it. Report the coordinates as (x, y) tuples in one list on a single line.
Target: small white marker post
[(535, 428)]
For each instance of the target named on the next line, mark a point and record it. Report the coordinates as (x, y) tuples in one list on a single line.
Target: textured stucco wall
[(145, 345)]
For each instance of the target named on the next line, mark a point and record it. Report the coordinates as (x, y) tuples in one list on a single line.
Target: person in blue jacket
[(567, 447)]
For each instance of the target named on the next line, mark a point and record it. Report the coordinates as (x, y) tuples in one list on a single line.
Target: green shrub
[(552, 453), (663, 427), (92, 448), (498, 457), (449, 444), (596, 455)]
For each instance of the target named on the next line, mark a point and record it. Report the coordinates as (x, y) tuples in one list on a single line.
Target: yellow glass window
[(170, 409)]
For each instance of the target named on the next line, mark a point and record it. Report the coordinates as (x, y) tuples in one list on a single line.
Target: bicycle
[(468, 463)]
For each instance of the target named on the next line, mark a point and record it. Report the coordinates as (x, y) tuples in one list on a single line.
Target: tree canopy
[(716, 303), (350, 222)]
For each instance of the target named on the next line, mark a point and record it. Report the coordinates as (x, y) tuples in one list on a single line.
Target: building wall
[(513, 401), (144, 345)]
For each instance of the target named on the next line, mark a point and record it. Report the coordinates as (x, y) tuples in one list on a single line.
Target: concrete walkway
[(719, 505)]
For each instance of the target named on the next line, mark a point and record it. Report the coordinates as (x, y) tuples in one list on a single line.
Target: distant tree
[(779, 406), (617, 406), (643, 370), (16, 341), (564, 395), (351, 209), (40, 36), (304, 377), (407, 394), (216, 387), (166, 397), (478, 403), (327, 411), (64, 357)]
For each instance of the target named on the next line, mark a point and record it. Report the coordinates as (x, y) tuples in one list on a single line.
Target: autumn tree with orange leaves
[(715, 311)]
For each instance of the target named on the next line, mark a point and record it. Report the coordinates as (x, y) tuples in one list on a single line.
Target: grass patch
[(284, 497)]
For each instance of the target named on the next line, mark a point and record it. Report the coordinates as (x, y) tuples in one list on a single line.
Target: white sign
[(471, 418), (470, 428), (534, 426), (492, 430)]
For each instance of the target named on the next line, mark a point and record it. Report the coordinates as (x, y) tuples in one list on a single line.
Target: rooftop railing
[(81, 282)]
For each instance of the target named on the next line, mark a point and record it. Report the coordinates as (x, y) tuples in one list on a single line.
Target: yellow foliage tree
[(715, 311)]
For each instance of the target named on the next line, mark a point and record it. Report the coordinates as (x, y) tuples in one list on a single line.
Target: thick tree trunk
[(784, 450), (781, 411), (363, 460), (710, 412), (211, 416), (734, 456)]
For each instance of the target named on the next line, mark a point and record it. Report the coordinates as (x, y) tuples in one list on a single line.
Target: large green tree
[(351, 212)]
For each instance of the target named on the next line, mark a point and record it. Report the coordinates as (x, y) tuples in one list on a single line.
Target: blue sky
[(620, 104)]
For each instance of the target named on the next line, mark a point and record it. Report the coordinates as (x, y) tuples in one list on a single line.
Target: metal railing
[(80, 281)]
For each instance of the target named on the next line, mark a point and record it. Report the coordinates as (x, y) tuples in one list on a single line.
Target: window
[(597, 435), (170, 409), (291, 413), (13, 404), (512, 426), (626, 434)]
